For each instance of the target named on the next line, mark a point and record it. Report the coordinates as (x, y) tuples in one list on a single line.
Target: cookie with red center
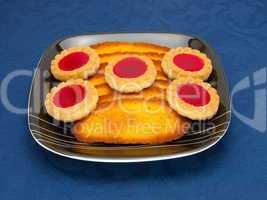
[(75, 63), (188, 62), (71, 100), (193, 98), (130, 73)]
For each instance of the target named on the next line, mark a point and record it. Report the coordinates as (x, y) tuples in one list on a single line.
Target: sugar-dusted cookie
[(71, 100), (193, 98), (130, 73), (185, 61), (75, 63)]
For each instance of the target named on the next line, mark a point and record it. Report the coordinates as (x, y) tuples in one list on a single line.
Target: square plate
[(56, 136)]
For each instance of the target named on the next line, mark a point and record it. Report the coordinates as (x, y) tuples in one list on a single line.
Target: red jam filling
[(73, 61), (188, 62), (130, 67), (193, 94), (69, 96)]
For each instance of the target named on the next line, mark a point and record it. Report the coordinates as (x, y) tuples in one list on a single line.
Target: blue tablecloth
[(236, 168)]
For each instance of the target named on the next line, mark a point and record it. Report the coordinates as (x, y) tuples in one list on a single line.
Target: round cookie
[(193, 98), (71, 100), (130, 73), (75, 63), (188, 62)]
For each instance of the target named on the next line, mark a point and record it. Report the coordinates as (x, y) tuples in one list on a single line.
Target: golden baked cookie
[(129, 47), (75, 63), (71, 100), (188, 62), (193, 98), (105, 58), (130, 73), (131, 121)]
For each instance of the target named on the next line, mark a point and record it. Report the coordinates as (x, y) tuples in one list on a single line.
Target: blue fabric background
[(236, 168)]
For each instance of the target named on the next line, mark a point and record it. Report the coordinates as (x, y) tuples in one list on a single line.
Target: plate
[(56, 136)]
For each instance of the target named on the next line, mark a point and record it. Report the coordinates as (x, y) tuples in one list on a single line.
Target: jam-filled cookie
[(130, 73), (188, 62), (71, 100), (75, 63), (193, 98)]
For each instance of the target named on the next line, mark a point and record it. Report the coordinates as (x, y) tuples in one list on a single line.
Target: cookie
[(130, 73), (71, 100), (75, 63), (131, 121), (186, 62), (193, 98), (129, 47)]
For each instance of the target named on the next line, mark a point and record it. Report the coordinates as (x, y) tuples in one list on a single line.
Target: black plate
[(57, 137)]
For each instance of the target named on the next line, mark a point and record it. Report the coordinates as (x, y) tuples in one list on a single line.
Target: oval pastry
[(75, 63), (188, 62), (193, 98), (132, 121), (130, 73), (71, 100)]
